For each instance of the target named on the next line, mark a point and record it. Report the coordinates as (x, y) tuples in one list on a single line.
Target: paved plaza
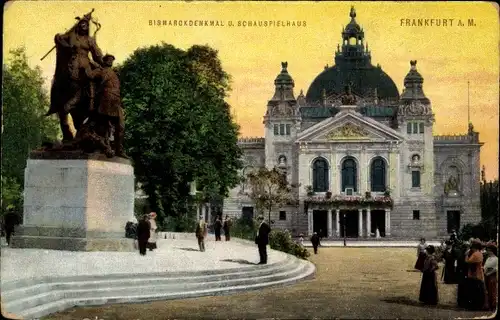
[(41, 263), (362, 283)]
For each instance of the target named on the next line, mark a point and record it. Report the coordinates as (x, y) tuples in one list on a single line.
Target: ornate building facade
[(364, 156)]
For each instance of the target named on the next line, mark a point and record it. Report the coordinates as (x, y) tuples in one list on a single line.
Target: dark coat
[(217, 225), (262, 237), (143, 230), (315, 240), (10, 221)]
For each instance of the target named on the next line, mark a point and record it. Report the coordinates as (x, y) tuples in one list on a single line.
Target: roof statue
[(348, 99)]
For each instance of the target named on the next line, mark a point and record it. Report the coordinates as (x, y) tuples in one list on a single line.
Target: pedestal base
[(76, 205)]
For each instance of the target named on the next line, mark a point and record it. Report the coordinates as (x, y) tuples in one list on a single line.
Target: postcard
[(249, 159)]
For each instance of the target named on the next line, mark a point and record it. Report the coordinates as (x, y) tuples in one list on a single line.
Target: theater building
[(363, 153)]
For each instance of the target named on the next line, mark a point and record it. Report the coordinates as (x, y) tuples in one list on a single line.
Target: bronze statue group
[(471, 265), (89, 91)]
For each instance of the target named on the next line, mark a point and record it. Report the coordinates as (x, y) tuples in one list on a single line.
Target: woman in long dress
[(153, 230), (490, 274), (449, 264), (421, 255), (428, 287), (476, 290)]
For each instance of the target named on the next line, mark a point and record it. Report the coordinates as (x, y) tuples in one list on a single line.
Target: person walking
[(428, 287), (143, 233), (262, 239), (217, 228), (490, 274), (153, 231), (315, 242), (201, 232), (421, 254), (227, 227)]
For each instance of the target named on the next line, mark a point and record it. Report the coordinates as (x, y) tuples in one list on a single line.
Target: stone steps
[(36, 298)]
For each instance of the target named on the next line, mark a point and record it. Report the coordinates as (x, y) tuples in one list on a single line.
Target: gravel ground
[(356, 283)]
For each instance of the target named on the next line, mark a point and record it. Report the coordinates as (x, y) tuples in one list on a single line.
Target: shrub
[(485, 230), (184, 223), (243, 228), (282, 240)]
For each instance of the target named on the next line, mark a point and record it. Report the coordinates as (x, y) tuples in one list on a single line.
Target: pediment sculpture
[(347, 131)]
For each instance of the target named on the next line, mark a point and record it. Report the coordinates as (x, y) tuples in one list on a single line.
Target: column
[(202, 213), (309, 222), (337, 223), (208, 215), (387, 222), (360, 222), (368, 223), (330, 222)]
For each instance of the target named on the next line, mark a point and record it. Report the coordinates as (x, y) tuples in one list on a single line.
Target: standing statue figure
[(109, 107), (72, 91), (348, 99)]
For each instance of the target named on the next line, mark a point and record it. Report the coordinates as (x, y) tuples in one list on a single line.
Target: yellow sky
[(447, 56)]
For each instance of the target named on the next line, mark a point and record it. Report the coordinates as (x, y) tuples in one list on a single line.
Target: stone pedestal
[(77, 204)]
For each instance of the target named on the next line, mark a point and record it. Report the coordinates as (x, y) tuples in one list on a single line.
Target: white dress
[(152, 236)]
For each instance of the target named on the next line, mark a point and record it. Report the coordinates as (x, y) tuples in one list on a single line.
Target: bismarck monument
[(79, 194)]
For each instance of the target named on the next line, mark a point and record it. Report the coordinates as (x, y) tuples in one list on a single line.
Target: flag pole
[(468, 102)]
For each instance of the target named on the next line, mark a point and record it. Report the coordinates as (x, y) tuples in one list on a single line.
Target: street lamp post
[(343, 228)]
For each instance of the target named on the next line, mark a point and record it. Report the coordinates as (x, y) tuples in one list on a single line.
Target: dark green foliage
[(11, 195), (282, 241), (483, 230), (25, 103), (25, 127), (244, 228), (489, 203), (185, 223), (487, 229), (178, 126)]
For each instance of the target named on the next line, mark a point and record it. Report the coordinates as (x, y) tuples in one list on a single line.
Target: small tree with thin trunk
[(269, 190)]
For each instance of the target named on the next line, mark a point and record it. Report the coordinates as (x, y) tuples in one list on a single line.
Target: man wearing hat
[(262, 239), (201, 232), (109, 107)]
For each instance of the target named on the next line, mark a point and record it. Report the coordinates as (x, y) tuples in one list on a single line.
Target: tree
[(178, 127), (25, 102), (269, 190)]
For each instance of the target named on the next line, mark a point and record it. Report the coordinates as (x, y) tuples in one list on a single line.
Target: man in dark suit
[(143, 234), (11, 220), (262, 239)]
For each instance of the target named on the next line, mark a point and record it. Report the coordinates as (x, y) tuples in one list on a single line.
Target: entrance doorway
[(349, 223), (247, 213), (453, 220), (320, 222), (378, 221)]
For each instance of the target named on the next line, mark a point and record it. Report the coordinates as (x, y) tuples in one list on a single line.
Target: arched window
[(349, 174), (320, 175), (378, 182)]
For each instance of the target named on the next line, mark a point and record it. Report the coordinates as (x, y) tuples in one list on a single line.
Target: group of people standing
[(220, 225), (471, 265), (202, 230), (147, 233)]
